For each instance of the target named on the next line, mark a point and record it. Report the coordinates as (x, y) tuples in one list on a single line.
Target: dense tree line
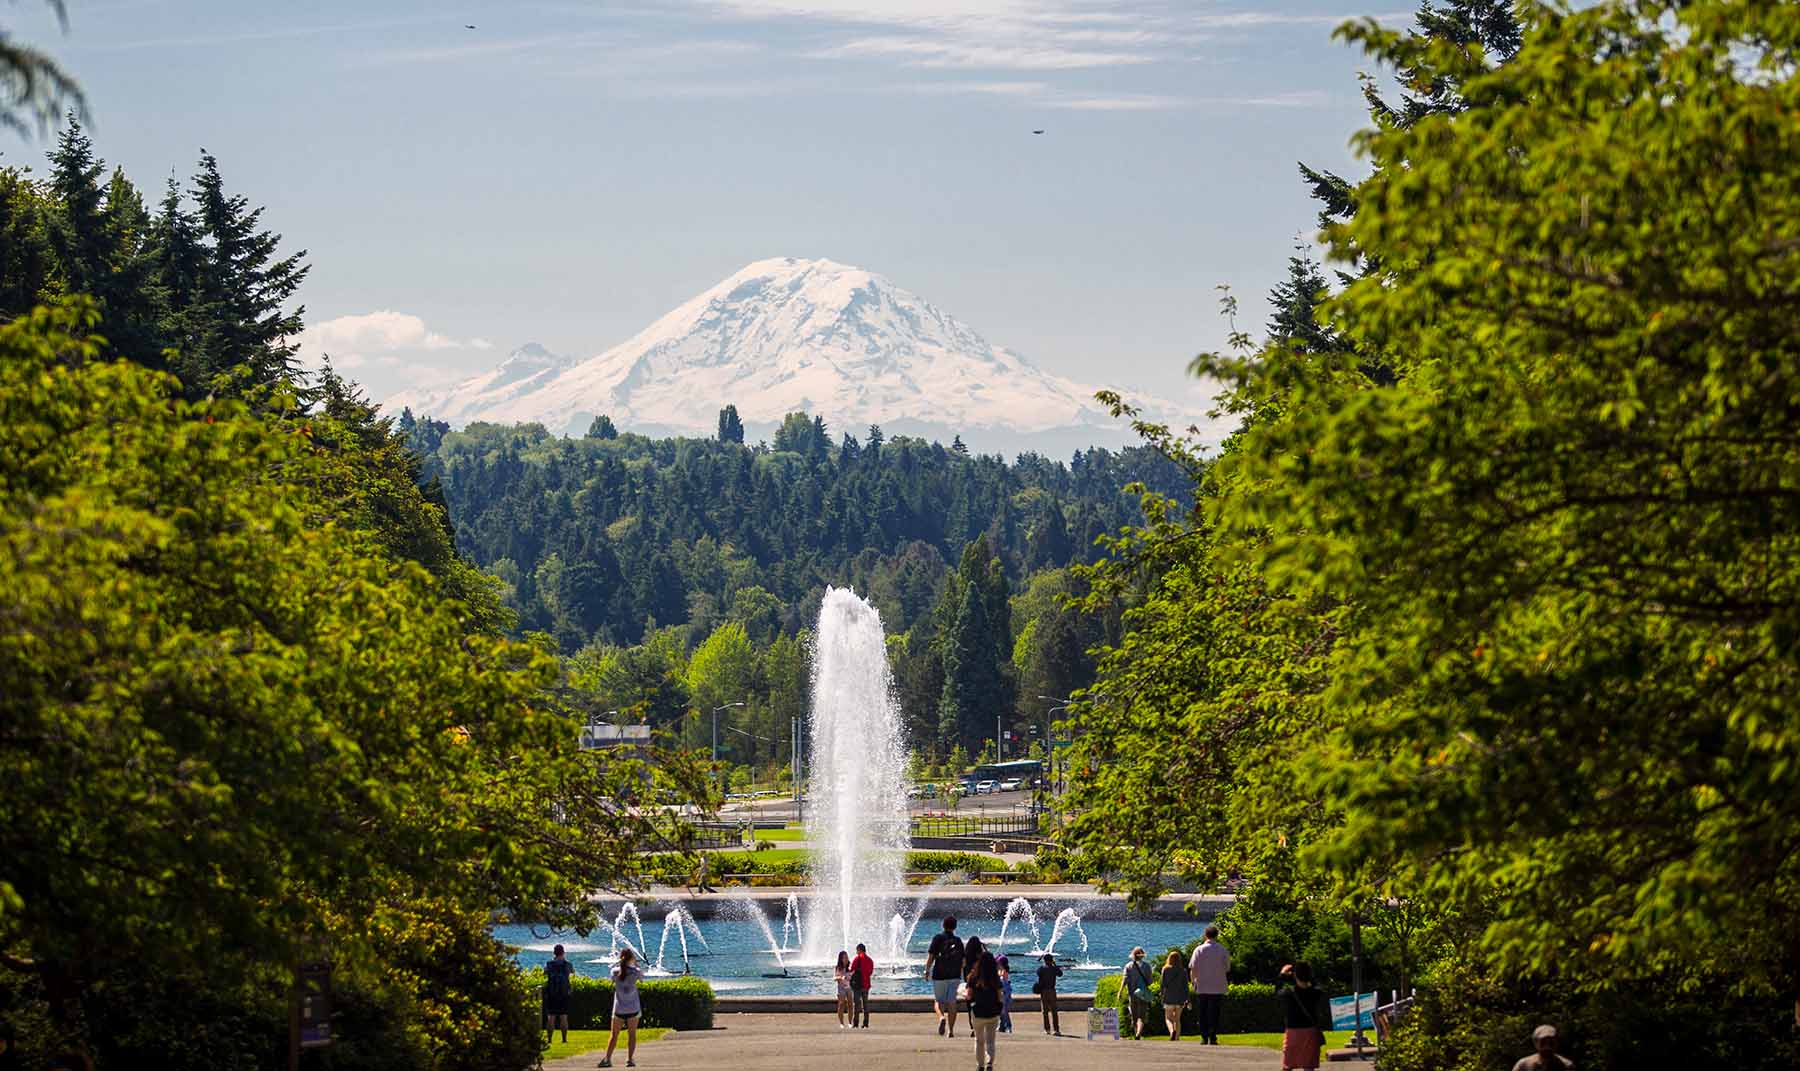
[(609, 541), (1481, 628), (607, 537), (255, 708), (195, 287)]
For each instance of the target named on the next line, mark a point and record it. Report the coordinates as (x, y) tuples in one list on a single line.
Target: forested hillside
[(611, 540)]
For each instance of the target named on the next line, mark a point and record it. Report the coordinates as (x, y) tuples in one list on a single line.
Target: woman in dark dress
[(1305, 1013)]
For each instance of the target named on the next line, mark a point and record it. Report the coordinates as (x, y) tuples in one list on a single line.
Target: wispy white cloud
[(379, 337), (1116, 102), (1046, 95), (943, 52)]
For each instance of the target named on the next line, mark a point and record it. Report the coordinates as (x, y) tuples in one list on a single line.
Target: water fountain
[(857, 823), (628, 910), (1020, 908), (857, 818), (1066, 920), (750, 910), (790, 924), (678, 920)]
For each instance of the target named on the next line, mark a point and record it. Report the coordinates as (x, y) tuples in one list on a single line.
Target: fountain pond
[(858, 827), (743, 950)]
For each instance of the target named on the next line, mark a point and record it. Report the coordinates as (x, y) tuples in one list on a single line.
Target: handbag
[(1038, 988), (1140, 986), (962, 991)]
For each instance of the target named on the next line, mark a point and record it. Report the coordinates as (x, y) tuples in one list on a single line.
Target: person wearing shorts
[(559, 986), (626, 1007), (944, 966)]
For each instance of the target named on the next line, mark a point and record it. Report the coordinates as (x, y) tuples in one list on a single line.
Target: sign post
[(1103, 1023), (309, 1011)]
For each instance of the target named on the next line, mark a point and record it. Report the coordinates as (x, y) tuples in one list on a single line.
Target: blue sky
[(566, 172)]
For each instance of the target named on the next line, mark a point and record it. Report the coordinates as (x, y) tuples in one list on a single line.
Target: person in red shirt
[(862, 972)]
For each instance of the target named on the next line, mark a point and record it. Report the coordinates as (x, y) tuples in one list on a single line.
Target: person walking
[(1304, 1013), (1174, 992), (862, 977), (627, 1007), (1207, 970), (1136, 977), (842, 973), (944, 966), (559, 987), (1005, 969), (1045, 988), (985, 1004), (1545, 1057)]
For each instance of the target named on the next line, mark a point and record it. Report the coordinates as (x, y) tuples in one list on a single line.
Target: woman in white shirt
[(626, 1007)]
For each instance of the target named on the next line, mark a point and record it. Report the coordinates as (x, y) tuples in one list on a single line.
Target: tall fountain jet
[(857, 796)]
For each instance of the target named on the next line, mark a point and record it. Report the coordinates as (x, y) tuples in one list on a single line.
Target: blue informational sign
[(1344, 1012)]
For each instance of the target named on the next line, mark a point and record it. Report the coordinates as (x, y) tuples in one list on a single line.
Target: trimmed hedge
[(945, 862), (794, 862), (679, 1003), (1249, 1008)]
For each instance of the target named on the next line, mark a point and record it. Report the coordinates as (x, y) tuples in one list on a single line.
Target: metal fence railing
[(974, 825)]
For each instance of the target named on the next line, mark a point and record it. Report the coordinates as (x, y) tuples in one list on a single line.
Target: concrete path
[(908, 1042)]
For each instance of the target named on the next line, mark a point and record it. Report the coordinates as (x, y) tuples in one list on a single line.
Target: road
[(770, 808)]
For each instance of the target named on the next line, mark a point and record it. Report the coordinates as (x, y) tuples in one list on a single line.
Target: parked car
[(983, 788), (1011, 784)]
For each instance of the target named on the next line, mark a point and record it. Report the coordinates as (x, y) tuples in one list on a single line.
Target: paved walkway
[(907, 1042)]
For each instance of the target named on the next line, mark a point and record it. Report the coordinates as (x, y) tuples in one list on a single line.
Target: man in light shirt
[(1206, 974)]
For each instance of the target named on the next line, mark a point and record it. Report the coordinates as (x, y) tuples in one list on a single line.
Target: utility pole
[(999, 742), (716, 711)]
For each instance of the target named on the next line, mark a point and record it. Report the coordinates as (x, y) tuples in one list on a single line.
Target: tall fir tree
[(731, 427), (245, 290), (77, 221)]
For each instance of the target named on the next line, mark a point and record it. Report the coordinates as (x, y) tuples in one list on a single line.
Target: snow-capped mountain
[(784, 335)]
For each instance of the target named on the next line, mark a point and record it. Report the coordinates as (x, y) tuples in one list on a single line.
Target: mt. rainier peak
[(778, 336)]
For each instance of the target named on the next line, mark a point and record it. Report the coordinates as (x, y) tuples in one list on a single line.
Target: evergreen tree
[(1295, 302), (602, 428), (976, 649), (135, 306), (1049, 545), (25, 257), (244, 289), (795, 435), (731, 428), (1489, 24), (176, 263), (77, 222)]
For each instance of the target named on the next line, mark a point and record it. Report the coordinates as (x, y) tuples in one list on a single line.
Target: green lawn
[(1334, 1039), (796, 857), (790, 833), (581, 1041)]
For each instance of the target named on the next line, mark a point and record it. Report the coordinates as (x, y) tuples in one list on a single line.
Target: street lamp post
[(716, 711)]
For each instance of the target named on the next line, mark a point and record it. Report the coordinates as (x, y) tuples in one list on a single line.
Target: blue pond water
[(745, 955)]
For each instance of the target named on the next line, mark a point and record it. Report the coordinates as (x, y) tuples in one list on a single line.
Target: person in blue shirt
[(559, 986)]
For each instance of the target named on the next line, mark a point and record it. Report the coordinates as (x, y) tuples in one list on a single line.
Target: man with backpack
[(559, 986), (944, 966), (862, 973)]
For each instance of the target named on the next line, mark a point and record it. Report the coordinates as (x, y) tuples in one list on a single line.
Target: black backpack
[(952, 954)]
